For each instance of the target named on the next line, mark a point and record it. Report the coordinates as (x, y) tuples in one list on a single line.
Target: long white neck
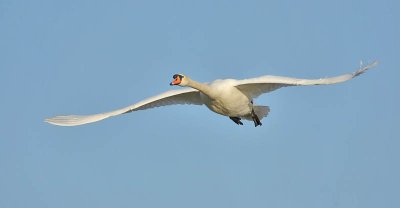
[(204, 88)]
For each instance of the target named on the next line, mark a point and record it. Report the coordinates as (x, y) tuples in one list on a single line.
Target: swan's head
[(180, 79)]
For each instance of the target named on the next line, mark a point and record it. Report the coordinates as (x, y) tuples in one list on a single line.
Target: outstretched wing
[(182, 96), (256, 86)]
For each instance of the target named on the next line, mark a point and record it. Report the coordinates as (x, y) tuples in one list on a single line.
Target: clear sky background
[(321, 146)]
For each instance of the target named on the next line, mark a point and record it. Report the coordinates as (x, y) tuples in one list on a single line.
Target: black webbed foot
[(236, 120), (255, 118)]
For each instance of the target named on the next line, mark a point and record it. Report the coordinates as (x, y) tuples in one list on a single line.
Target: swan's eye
[(178, 75)]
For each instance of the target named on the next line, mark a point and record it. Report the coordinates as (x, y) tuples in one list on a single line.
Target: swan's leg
[(236, 120), (255, 118)]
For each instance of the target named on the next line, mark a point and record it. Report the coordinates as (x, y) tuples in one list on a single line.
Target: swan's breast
[(227, 100)]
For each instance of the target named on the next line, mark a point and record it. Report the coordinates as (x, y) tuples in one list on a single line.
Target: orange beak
[(176, 81)]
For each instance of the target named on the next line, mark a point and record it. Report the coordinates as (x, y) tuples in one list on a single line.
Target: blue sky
[(322, 146)]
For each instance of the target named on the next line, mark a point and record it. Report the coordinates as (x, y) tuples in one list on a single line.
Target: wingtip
[(47, 120), (52, 121), (75, 120), (373, 64), (365, 68)]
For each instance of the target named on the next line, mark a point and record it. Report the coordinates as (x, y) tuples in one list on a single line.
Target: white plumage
[(229, 97)]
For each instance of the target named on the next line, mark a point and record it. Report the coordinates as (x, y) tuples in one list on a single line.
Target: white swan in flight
[(228, 97)]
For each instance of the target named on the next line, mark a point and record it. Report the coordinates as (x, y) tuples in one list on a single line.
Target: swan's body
[(229, 97)]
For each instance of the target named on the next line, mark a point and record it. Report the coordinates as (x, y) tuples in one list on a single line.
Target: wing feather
[(256, 86), (173, 97)]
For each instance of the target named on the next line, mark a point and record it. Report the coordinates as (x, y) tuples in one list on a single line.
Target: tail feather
[(261, 112)]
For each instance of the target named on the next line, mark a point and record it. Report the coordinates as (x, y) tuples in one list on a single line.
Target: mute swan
[(228, 97)]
